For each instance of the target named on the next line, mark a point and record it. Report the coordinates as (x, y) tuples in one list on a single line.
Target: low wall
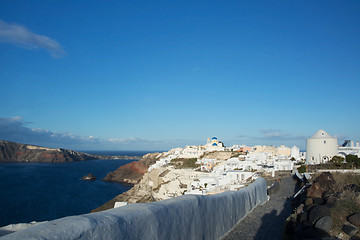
[(185, 217), (339, 170)]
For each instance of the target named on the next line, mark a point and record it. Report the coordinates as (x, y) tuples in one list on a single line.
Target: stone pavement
[(267, 221)]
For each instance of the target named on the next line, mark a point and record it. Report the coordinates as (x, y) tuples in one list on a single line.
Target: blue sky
[(152, 75)]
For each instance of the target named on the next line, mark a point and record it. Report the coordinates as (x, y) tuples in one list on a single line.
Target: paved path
[(266, 221)]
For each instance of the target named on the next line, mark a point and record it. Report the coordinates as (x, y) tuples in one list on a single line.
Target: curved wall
[(317, 150), (185, 217)]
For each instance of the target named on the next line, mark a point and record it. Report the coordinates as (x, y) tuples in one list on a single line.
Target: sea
[(47, 191)]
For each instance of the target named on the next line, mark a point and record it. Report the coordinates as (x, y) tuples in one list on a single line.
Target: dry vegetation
[(348, 202), (179, 163)]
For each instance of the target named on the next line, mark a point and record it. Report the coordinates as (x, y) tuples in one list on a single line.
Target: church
[(214, 144)]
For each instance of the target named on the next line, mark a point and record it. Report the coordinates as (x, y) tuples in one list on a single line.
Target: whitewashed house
[(295, 153)]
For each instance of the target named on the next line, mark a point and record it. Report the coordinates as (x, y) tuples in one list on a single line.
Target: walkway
[(266, 221)]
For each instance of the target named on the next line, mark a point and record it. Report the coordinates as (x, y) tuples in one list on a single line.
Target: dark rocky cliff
[(17, 152)]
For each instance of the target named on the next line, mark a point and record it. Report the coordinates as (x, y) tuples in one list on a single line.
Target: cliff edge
[(17, 152), (131, 173)]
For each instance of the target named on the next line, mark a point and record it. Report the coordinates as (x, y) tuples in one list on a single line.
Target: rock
[(309, 201), (355, 219), (318, 212), (131, 173), (341, 235), (89, 177), (353, 188), (327, 194), (315, 191), (324, 224), (318, 201), (350, 229), (300, 208), (309, 207), (330, 202), (339, 194), (324, 182), (353, 238), (302, 217), (307, 224)]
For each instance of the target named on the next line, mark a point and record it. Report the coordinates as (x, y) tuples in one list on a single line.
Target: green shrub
[(302, 168), (337, 160), (353, 159)]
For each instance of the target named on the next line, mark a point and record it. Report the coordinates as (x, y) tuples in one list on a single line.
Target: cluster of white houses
[(230, 173)]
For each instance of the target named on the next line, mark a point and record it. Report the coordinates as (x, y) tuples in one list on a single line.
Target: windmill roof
[(321, 134)]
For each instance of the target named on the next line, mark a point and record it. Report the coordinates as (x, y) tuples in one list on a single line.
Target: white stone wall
[(186, 217)]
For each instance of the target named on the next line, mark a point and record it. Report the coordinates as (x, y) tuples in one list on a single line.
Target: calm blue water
[(46, 191)]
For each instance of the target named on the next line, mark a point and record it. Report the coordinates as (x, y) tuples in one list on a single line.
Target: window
[(324, 141)]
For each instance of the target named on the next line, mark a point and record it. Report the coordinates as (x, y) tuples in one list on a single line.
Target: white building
[(349, 147), (283, 165), (259, 157), (320, 148), (295, 153), (214, 145), (283, 151)]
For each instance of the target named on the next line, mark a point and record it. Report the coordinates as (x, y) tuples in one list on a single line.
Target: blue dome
[(214, 144), (214, 138)]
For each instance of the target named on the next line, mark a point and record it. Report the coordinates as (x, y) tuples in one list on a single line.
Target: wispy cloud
[(277, 134), (21, 36), (16, 129), (273, 133)]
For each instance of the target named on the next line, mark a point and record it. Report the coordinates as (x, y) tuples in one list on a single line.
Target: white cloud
[(23, 37)]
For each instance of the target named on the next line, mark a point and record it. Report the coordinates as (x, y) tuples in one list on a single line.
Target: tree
[(353, 159), (337, 160)]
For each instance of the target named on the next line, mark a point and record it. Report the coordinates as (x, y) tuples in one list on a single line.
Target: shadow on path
[(273, 224), (267, 221)]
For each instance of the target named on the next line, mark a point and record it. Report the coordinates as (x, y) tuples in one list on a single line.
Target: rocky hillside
[(131, 173), (220, 155), (328, 209), (156, 185), (17, 152)]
